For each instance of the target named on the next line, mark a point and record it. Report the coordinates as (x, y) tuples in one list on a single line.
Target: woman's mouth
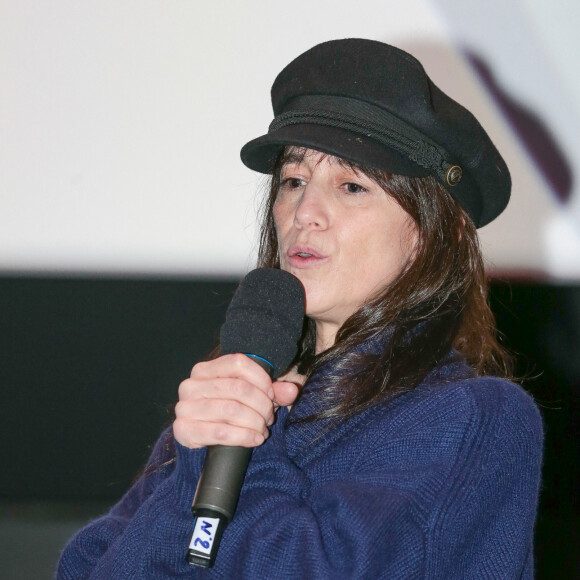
[(303, 257)]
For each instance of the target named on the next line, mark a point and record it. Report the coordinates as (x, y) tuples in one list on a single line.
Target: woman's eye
[(293, 183), (355, 188)]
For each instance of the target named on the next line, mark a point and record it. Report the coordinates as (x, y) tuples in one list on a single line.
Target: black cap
[(373, 104)]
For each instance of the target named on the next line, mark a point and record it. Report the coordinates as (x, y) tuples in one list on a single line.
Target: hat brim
[(260, 154)]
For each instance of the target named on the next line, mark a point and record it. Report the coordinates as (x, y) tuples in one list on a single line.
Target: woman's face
[(340, 234)]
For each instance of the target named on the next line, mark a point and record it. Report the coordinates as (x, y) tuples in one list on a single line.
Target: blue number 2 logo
[(205, 527), (199, 541)]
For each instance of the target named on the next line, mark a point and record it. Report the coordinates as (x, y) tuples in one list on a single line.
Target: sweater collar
[(306, 440)]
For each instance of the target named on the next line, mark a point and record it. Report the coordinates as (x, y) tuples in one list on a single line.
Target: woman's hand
[(229, 401), (287, 387)]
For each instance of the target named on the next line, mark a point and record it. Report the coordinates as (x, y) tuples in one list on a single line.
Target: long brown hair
[(438, 302)]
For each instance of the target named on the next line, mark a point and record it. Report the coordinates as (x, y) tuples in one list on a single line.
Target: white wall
[(121, 122)]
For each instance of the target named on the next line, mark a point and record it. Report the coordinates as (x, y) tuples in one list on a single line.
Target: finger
[(229, 389), (285, 393), (224, 411), (198, 434), (234, 366)]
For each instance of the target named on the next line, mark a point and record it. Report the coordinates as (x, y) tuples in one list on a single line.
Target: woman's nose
[(312, 210)]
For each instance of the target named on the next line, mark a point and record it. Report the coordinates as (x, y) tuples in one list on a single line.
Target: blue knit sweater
[(440, 483)]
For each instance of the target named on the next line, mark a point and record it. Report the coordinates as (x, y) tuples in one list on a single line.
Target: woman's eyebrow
[(293, 158), (298, 157)]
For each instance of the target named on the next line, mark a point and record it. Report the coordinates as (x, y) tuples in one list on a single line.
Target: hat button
[(454, 175)]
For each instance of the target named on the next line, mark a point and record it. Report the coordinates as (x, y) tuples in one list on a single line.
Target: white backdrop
[(121, 122)]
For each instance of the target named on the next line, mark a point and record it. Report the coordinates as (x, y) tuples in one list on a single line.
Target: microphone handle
[(217, 494)]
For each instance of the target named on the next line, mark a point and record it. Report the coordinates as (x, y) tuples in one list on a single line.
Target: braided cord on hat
[(369, 121)]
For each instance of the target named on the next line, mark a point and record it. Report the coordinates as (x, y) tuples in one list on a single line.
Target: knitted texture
[(440, 483)]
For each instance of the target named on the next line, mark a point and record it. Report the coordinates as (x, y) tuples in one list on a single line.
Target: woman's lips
[(304, 256)]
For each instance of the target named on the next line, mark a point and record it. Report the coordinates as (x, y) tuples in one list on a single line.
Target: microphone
[(264, 321)]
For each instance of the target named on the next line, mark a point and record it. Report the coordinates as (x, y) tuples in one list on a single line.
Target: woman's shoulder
[(497, 394), (454, 381), (456, 400), (485, 392), (459, 425), (496, 405), (488, 395)]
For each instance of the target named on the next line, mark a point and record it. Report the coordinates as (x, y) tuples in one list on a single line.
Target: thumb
[(288, 386), (285, 393)]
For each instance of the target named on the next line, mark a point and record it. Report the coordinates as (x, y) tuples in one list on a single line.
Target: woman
[(388, 450)]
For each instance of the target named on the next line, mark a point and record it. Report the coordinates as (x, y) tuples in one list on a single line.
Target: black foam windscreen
[(265, 317)]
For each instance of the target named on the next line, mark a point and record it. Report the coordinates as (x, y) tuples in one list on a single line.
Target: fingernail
[(259, 439)]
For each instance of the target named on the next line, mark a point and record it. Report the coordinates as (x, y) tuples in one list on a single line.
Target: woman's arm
[(434, 486), (84, 550), (229, 401)]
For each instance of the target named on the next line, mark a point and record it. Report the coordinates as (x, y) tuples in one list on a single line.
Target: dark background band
[(89, 369)]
